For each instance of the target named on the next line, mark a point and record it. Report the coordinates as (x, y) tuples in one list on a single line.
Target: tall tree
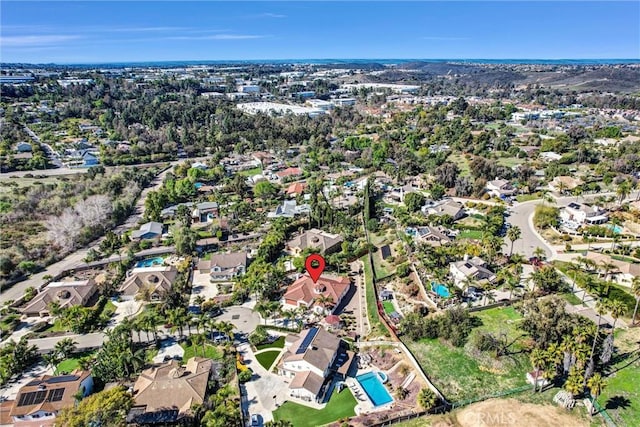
[(514, 233)]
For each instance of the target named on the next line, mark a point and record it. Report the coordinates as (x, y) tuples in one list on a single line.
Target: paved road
[(522, 216), (77, 257)]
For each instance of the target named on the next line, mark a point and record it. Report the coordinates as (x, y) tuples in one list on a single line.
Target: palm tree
[(601, 308), (264, 310), (65, 347), (596, 384), (514, 233), (427, 399), (539, 253), (616, 308), (196, 340), (538, 359), (573, 270), (575, 381), (226, 328), (52, 360), (635, 288), (623, 190), (324, 301)]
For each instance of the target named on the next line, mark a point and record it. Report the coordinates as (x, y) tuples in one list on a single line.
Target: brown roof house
[(224, 267), (38, 402), (296, 188), (311, 359), (327, 243), (67, 294), (166, 393), (305, 293), (156, 280)]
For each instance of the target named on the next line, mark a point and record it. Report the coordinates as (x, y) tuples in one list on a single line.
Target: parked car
[(256, 420)]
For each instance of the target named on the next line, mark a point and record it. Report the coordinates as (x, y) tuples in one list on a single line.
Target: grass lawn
[(56, 327), (377, 328), (462, 373), (527, 197), (621, 396), (341, 405), (251, 172), (388, 307), (279, 343), (211, 351), (72, 363), (470, 234), (266, 358), (571, 298), (382, 267), (510, 161), (461, 162)]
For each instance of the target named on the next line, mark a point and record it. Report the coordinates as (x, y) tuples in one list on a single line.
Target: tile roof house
[(200, 212), (158, 279), (327, 243), (311, 359), (304, 292), (433, 236), (150, 230), (67, 294), (167, 392), (296, 188), (623, 272), (288, 173), (223, 267), (38, 402), (500, 188), (445, 207), (474, 268), (564, 183)]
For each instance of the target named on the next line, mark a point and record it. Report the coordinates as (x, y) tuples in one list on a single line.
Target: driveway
[(522, 216), (243, 318)]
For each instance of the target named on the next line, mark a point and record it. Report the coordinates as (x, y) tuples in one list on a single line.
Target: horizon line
[(310, 60)]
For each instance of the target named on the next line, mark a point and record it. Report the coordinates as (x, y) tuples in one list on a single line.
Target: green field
[(463, 373), (470, 234), (266, 358), (388, 307), (251, 172), (621, 396), (72, 363), (341, 405), (211, 351), (279, 343), (377, 328), (461, 162)]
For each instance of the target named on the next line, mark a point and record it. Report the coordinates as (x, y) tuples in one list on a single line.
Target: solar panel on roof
[(55, 395), (32, 398), (307, 340), (62, 379)]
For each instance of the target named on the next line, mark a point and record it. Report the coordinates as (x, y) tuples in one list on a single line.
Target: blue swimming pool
[(440, 290), (615, 228), (150, 262), (374, 388)]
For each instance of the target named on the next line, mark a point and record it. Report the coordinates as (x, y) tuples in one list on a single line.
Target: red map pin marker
[(315, 266)]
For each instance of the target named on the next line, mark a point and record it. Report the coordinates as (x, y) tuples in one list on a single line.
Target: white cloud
[(35, 40)]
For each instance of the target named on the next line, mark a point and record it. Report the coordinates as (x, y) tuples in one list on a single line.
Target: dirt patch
[(510, 412)]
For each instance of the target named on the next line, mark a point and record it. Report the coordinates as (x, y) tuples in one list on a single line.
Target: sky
[(128, 31)]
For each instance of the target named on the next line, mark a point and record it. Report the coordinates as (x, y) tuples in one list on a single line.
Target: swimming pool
[(377, 392), (615, 228), (150, 262), (440, 290)]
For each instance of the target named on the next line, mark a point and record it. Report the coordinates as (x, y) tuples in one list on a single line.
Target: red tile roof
[(304, 290)]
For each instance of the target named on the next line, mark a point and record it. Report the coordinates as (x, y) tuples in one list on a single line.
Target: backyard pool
[(615, 228), (374, 388), (150, 262), (440, 290)]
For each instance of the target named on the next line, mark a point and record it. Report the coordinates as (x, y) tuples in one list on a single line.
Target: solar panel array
[(37, 397), (55, 395), (307, 340), (32, 398), (62, 379)]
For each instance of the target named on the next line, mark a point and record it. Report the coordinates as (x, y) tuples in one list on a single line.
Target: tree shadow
[(617, 402)]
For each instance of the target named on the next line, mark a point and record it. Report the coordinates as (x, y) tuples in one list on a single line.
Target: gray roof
[(319, 352), (149, 227), (224, 261)]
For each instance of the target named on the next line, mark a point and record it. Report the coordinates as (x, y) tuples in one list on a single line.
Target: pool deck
[(365, 405)]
